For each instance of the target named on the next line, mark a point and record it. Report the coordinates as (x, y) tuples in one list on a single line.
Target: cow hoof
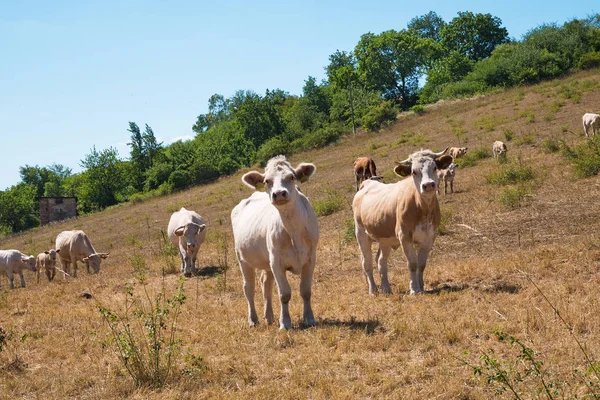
[(310, 322), (386, 290), (283, 327), (252, 324), (188, 274)]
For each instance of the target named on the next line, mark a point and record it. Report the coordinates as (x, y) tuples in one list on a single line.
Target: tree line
[(385, 73)]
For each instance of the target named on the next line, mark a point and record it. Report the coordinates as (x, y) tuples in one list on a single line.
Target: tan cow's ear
[(58, 251), (179, 231), (253, 179), (46, 252), (403, 169), (443, 162), (304, 171)]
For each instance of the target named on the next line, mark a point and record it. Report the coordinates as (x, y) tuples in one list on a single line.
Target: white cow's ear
[(58, 251), (104, 256), (305, 171), (24, 260), (253, 179), (403, 169), (179, 231), (201, 228), (443, 162), (46, 252)]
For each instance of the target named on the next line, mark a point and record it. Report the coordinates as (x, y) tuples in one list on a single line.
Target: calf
[(13, 262), (277, 231), (447, 176), (47, 262), (499, 149), (591, 122), (187, 231), (364, 168)]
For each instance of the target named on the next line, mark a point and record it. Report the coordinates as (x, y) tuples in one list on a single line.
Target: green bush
[(463, 89), (333, 203), (179, 179), (585, 157), (550, 145), (508, 134), (510, 174), (381, 115), (512, 197), (589, 60), (473, 156), (418, 109), (203, 171), (349, 230), (319, 138), (271, 148)]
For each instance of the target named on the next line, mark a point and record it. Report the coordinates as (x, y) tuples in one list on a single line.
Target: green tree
[(428, 25), (104, 179), (19, 209), (474, 35)]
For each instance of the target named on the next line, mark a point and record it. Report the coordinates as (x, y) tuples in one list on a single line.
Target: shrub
[(179, 179), (550, 146), (319, 138), (589, 60), (418, 109), (512, 197), (271, 148), (508, 134), (526, 139), (378, 116), (463, 89), (473, 156), (349, 233), (510, 174), (333, 203), (144, 335), (585, 157), (203, 171)]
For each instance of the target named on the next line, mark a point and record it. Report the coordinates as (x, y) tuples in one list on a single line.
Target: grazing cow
[(47, 262), (364, 168), (499, 149), (74, 246), (13, 262), (591, 122), (457, 152), (187, 231), (404, 213), (277, 231), (447, 176)]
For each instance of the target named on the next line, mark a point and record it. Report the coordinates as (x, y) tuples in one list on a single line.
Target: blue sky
[(74, 73)]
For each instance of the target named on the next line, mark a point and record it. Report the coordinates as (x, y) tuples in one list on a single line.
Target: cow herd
[(276, 230)]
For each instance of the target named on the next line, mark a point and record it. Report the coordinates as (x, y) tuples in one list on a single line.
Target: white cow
[(187, 231), (447, 176), (404, 213), (277, 231), (47, 262), (591, 122), (74, 246), (499, 149), (13, 262)]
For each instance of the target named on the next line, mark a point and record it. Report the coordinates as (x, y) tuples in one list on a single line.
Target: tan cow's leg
[(249, 276), (366, 256), (384, 253), (306, 288), (267, 280), (411, 258)]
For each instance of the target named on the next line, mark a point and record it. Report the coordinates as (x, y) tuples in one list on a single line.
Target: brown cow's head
[(280, 179), (422, 166)]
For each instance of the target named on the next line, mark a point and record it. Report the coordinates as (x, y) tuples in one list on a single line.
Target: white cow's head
[(280, 179), (461, 151), (423, 166), (28, 262), (94, 260), (52, 253)]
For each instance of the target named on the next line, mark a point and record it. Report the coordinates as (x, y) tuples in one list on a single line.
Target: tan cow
[(364, 168), (75, 246), (47, 262), (277, 231), (187, 231), (13, 262), (499, 149), (457, 152), (591, 122), (404, 213)]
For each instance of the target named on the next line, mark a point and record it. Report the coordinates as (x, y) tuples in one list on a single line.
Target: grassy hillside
[(396, 346)]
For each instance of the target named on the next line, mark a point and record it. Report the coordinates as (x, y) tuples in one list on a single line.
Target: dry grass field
[(480, 278)]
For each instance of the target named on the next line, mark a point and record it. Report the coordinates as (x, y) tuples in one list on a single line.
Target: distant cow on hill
[(13, 262), (364, 168), (74, 246), (499, 149), (47, 262), (187, 231), (277, 231), (591, 122), (457, 152), (405, 213)]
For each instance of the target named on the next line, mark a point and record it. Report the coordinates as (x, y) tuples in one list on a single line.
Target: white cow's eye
[(268, 182)]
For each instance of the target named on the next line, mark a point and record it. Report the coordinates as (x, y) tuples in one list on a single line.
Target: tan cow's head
[(52, 253), (422, 166), (280, 179), (94, 260)]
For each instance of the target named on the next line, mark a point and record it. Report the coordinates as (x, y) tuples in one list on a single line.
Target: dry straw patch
[(398, 346)]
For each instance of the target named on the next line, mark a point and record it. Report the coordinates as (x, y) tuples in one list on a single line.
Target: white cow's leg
[(74, 262), (267, 280), (364, 244), (64, 266), (306, 278), (249, 280), (11, 278), (384, 254), (411, 258), (285, 292), (22, 279)]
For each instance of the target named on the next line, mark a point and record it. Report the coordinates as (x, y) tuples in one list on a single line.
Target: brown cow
[(364, 168), (404, 213)]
